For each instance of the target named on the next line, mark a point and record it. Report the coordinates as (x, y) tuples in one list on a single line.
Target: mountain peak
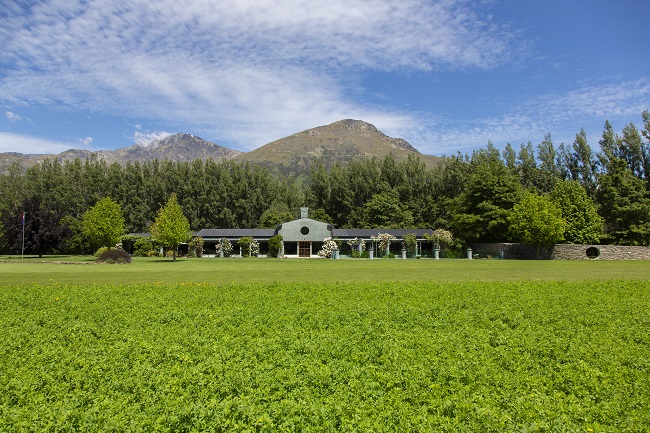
[(338, 142), (176, 147)]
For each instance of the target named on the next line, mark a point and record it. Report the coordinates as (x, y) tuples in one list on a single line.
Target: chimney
[(304, 212)]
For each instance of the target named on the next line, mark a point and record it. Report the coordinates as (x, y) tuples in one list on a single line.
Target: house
[(304, 237)]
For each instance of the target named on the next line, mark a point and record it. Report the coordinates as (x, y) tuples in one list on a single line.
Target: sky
[(447, 76)]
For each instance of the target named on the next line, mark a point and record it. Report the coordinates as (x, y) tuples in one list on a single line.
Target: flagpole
[(22, 250)]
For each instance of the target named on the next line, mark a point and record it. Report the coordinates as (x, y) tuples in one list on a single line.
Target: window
[(304, 231)]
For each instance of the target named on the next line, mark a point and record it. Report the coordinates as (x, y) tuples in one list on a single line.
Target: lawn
[(270, 345), (82, 270)]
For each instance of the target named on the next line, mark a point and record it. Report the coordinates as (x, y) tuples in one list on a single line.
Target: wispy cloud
[(248, 71), (12, 116), (147, 138), (585, 108), (26, 144)]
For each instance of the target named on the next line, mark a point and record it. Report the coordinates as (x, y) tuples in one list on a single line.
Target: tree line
[(602, 194)]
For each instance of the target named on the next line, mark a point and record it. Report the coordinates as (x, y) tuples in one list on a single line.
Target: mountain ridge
[(338, 142), (342, 141)]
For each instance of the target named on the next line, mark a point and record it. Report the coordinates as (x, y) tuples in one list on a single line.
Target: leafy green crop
[(527, 356)]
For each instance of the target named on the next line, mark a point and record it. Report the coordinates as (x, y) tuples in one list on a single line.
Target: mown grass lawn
[(213, 270), (321, 345)]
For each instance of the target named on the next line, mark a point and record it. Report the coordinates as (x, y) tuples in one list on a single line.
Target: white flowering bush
[(384, 240), (354, 244), (440, 237), (255, 248), (249, 246), (328, 245), (225, 245)]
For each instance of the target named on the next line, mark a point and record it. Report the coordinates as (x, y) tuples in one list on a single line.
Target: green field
[(321, 345), (82, 270)]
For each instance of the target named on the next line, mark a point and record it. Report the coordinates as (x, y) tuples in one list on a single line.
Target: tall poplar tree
[(171, 226)]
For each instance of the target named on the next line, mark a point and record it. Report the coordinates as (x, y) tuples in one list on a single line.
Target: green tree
[(585, 163), (624, 205), (103, 224), (171, 227), (646, 147), (481, 213), (319, 215), (44, 232), (549, 172), (583, 224), (384, 210), (248, 245), (276, 214), (275, 245), (410, 243), (536, 220)]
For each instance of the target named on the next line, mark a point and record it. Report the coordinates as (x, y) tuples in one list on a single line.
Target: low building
[(304, 237)]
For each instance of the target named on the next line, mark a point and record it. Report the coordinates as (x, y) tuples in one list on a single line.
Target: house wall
[(291, 231)]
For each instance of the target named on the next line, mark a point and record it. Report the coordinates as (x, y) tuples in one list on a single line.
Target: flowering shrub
[(196, 246), (225, 245), (440, 237), (328, 246), (354, 244), (255, 248), (384, 240), (249, 246)]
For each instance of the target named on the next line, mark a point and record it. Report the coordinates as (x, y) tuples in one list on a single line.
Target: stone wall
[(561, 252), (601, 252)]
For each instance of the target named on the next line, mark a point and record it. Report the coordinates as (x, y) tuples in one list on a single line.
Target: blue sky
[(445, 75)]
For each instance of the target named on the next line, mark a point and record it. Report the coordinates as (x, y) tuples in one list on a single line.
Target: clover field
[(393, 356)]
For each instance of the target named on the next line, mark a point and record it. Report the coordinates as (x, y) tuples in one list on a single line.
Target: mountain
[(176, 147), (341, 141)]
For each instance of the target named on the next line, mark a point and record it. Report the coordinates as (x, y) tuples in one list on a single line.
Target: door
[(304, 249)]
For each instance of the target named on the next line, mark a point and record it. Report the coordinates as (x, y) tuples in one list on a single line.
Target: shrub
[(142, 247), (275, 244), (226, 245), (100, 251), (114, 256)]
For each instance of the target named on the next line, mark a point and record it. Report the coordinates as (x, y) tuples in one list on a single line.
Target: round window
[(593, 252), (304, 230)]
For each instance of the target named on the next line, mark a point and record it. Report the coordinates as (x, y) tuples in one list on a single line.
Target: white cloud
[(247, 71), (148, 138), (13, 117), (561, 114), (25, 144), (252, 71), (87, 141)]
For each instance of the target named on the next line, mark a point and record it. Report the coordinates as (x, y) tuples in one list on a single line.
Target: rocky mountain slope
[(176, 147), (341, 142)]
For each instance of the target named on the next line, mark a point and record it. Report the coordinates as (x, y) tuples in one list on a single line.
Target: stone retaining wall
[(562, 252)]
